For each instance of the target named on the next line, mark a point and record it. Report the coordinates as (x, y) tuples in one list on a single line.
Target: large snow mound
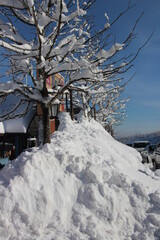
[(82, 186)]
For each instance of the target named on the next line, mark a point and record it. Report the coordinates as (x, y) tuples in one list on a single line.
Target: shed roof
[(2, 128), (18, 124)]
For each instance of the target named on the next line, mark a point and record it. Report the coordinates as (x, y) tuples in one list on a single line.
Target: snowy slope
[(82, 186)]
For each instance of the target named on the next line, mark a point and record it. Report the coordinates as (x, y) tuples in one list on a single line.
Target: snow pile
[(84, 185)]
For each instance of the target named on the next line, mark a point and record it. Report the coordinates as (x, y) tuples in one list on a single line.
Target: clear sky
[(143, 109)]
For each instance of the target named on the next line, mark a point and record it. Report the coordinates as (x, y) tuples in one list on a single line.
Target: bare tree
[(102, 97), (58, 38), (55, 31)]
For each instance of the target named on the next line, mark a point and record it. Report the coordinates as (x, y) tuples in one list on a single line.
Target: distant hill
[(153, 138)]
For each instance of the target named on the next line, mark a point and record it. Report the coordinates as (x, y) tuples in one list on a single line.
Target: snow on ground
[(82, 186)]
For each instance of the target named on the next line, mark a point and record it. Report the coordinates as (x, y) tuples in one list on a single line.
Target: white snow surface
[(1, 128), (82, 186)]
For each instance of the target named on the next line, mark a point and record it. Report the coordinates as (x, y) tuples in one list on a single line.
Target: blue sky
[(143, 109)]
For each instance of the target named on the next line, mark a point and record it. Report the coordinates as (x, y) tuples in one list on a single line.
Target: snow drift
[(84, 185)]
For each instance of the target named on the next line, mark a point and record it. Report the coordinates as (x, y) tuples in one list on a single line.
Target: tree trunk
[(94, 113), (67, 102), (46, 127), (71, 105), (45, 111)]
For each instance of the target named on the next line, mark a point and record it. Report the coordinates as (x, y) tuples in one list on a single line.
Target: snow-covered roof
[(18, 124), (1, 128)]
